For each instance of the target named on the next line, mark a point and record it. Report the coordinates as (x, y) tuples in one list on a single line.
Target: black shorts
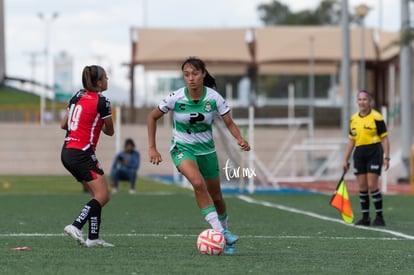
[(368, 159), (83, 165)]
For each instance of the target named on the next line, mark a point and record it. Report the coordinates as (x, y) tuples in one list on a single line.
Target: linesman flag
[(340, 200)]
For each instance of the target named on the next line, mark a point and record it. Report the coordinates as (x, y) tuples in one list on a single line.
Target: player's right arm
[(348, 151), (154, 155)]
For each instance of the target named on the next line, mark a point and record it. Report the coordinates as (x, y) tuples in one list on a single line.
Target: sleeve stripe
[(228, 111), (162, 110)]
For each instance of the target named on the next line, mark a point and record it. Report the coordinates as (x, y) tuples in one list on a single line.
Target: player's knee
[(198, 183), (104, 200), (107, 199), (103, 197)]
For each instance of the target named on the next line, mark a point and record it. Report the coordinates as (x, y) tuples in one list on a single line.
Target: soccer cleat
[(97, 243), (230, 237), (379, 221), (75, 233), (131, 191), (230, 249), (364, 222), (114, 191)]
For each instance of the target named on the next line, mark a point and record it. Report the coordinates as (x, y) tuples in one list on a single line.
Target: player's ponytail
[(209, 81), (90, 77)]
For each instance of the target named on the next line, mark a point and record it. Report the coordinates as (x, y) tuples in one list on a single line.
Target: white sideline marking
[(321, 217), (253, 201), (46, 235)]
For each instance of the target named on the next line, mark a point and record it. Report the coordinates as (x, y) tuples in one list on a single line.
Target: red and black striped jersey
[(86, 113)]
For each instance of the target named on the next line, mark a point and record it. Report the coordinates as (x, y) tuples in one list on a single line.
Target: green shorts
[(207, 164)]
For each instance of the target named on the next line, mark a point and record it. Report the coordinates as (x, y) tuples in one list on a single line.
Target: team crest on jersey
[(207, 107)]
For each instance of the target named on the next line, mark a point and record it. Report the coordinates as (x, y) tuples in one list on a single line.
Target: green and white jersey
[(193, 120)]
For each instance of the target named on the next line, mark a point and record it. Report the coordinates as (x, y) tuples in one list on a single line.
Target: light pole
[(33, 65), (311, 108), (311, 86), (360, 12), (2, 45), (345, 74), (48, 21), (252, 74)]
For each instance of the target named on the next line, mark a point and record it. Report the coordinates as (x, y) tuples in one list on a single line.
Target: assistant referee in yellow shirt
[(368, 134)]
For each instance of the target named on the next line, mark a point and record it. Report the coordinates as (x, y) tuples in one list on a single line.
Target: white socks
[(212, 219)]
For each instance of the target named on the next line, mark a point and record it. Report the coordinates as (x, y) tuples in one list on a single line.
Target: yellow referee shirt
[(366, 130)]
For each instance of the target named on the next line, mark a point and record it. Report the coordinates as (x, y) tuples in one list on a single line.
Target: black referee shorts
[(83, 165), (368, 159)]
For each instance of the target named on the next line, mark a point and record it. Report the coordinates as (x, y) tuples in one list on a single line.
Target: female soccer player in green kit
[(192, 149)]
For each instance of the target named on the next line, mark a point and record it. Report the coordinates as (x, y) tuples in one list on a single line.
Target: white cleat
[(97, 243), (74, 233)]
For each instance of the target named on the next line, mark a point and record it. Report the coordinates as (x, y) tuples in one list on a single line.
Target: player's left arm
[(382, 132), (104, 109), (386, 147), (64, 121), (108, 127), (235, 131)]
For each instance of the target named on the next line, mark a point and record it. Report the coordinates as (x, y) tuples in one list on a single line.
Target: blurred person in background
[(125, 167)]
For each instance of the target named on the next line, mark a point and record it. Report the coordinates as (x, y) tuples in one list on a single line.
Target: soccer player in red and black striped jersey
[(88, 113)]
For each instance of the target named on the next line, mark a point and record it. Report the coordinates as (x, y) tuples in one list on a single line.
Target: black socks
[(364, 200), (376, 199), (91, 212)]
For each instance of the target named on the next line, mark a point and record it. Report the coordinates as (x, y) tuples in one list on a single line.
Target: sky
[(97, 32)]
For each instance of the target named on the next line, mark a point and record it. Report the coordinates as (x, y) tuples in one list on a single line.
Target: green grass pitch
[(155, 232)]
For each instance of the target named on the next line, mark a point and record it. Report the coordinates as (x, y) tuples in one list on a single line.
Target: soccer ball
[(211, 242)]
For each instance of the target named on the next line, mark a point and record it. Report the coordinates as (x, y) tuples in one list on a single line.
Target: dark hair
[(91, 75), (199, 64), (365, 92), (195, 62), (209, 81), (129, 141)]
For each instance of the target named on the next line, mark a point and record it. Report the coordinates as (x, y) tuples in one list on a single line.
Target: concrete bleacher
[(33, 149)]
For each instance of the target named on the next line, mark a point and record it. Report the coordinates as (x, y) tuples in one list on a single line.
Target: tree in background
[(276, 13)]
